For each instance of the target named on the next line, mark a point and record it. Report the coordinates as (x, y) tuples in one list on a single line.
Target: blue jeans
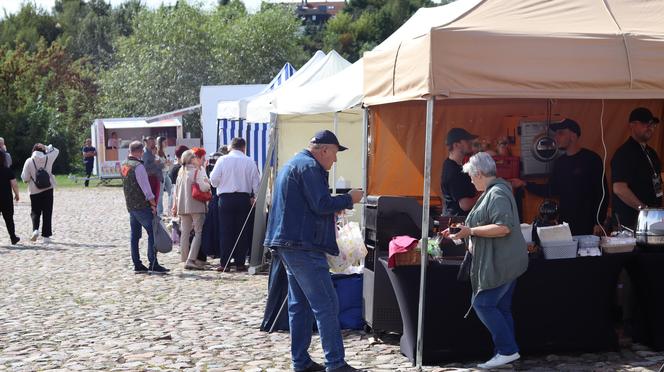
[(138, 220), (494, 308), (312, 294)]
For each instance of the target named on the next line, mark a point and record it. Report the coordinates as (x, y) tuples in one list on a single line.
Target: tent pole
[(260, 218), (425, 229), (365, 155), (334, 166)]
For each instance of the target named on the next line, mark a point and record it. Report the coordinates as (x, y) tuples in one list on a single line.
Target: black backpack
[(42, 179)]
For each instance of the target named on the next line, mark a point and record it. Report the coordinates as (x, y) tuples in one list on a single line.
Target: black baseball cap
[(325, 137), (567, 124), (643, 115), (458, 134)]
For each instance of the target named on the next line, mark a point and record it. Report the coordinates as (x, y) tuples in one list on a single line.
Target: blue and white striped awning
[(286, 72), (256, 135)]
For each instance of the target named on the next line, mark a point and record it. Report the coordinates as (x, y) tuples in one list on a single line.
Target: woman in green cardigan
[(499, 253)]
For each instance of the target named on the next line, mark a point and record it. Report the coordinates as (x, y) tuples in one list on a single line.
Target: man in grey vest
[(142, 206)]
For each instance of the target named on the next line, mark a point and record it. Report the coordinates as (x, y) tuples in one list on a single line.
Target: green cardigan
[(496, 261)]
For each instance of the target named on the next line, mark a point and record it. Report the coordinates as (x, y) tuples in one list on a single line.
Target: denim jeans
[(494, 308), (312, 294), (138, 220)]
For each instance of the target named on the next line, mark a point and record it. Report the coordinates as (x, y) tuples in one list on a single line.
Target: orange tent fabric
[(397, 131)]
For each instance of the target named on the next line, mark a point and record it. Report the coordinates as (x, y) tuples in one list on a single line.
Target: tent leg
[(334, 166), (365, 154), (260, 219), (425, 230)]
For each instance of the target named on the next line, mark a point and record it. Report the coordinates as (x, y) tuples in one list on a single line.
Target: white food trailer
[(109, 159)]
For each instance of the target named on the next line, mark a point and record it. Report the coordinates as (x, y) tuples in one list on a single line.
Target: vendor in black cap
[(458, 192), (577, 180), (636, 170)]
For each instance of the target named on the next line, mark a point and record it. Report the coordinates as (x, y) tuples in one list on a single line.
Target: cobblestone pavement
[(77, 305)]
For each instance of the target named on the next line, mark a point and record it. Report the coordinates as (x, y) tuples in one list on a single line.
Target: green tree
[(90, 27), (27, 27), (173, 51), (45, 97), (363, 24), (162, 65), (255, 47)]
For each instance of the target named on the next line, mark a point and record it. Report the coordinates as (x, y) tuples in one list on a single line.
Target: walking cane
[(274, 323), (240, 235)]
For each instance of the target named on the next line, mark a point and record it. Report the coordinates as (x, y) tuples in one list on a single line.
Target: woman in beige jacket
[(191, 211)]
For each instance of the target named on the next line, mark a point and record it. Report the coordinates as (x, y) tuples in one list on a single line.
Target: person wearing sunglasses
[(636, 170)]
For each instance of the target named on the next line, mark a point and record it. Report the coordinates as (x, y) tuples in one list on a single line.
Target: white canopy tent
[(293, 138), (231, 120), (210, 96), (260, 107), (235, 109)]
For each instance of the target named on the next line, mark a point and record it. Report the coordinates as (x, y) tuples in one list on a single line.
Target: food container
[(559, 249), (556, 233), (527, 231), (650, 227), (611, 244), (412, 257), (587, 241)]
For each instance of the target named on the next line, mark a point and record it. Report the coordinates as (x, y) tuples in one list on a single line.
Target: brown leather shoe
[(221, 269)]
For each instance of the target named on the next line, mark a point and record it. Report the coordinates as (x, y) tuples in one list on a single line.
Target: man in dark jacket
[(577, 181), (301, 228), (141, 205)]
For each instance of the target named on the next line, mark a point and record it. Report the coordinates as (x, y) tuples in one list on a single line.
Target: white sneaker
[(499, 360), (34, 236), (46, 240)]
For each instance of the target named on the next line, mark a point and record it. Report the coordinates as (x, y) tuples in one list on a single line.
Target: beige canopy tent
[(477, 62), (527, 48)]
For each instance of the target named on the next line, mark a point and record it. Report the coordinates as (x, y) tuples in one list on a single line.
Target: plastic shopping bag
[(351, 248), (162, 240)]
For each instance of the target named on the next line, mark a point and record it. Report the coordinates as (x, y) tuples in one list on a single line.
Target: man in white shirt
[(236, 178)]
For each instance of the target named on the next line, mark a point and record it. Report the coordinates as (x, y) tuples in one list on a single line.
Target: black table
[(646, 269), (559, 306)]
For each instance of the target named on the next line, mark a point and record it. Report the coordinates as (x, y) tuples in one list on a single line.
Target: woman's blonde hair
[(185, 160), (187, 157)]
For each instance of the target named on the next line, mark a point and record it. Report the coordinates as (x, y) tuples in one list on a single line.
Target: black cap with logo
[(325, 137), (567, 124), (643, 115), (458, 134)]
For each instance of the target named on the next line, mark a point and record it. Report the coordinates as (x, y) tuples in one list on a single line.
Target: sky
[(13, 6)]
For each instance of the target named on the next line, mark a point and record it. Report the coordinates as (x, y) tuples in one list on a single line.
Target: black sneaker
[(158, 269), (140, 269), (15, 240), (347, 368), (314, 367)]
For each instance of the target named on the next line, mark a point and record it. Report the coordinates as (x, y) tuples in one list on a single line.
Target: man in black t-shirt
[(576, 179), (636, 170), (89, 153), (459, 194)]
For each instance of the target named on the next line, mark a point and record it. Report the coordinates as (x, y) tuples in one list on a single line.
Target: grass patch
[(68, 181)]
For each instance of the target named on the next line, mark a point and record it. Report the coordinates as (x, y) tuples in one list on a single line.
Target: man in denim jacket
[(301, 228)]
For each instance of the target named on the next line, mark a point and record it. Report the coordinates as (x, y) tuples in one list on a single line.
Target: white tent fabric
[(230, 123), (335, 93), (237, 109), (259, 108), (345, 89), (209, 97)]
